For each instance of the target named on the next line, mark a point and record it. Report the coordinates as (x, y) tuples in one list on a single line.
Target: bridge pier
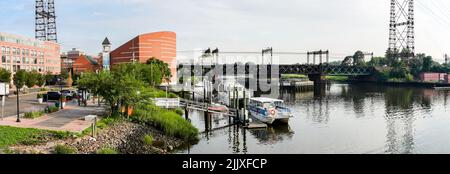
[(317, 79)]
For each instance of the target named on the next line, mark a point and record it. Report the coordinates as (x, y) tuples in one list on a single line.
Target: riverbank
[(122, 136)]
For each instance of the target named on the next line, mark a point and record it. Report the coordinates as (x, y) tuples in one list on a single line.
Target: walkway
[(70, 119)]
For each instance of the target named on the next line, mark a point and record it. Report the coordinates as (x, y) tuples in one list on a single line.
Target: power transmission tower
[(401, 27), (46, 20)]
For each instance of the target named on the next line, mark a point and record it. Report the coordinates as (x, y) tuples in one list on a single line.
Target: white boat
[(269, 110)]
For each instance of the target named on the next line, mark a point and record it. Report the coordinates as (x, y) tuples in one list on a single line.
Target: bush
[(34, 114), (40, 96), (52, 109), (179, 111), (107, 151), (63, 149), (167, 121), (148, 140), (409, 78), (44, 89)]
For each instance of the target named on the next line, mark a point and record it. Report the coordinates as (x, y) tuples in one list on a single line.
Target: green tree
[(5, 76), (20, 78), (358, 58), (405, 54), (49, 77), (416, 65), (40, 80), (378, 61), (392, 56), (427, 64), (32, 78), (162, 67)]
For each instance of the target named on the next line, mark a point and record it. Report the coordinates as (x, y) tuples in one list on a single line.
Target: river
[(341, 119)]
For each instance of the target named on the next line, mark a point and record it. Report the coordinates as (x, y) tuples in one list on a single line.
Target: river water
[(343, 119)]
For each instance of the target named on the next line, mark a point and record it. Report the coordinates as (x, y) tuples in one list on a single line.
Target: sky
[(341, 26)]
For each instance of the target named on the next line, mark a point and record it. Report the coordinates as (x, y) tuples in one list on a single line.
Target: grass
[(336, 78), (26, 136), (167, 121), (293, 76), (107, 151), (63, 149), (148, 140), (35, 114)]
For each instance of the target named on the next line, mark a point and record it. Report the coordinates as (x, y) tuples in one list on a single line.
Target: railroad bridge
[(315, 72)]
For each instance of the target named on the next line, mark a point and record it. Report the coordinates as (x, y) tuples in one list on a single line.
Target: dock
[(256, 125)]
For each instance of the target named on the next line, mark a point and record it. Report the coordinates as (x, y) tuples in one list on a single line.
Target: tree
[(392, 56), (358, 58), (405, 54), (378, 61), (20, 78), (416, 65), (40, 80), (163, 67), (49, 78), (427, 64), (347, 60), (5, 76), (32, 78)]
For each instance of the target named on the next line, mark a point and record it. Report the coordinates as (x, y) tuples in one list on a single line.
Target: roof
[(106, 41), (265, 100), (91, 60)]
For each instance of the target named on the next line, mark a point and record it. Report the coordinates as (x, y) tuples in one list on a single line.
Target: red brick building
[(434, 77), (85, 64), (161, 45)]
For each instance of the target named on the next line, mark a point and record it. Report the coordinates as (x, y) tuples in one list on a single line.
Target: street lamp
[(60, 91), (18, 110)]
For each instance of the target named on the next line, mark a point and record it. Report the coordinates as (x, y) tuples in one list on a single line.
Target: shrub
[(40, 96), (51, 109), (167, 121), (63, 149), (148, 140), (34, 114), (44, 89), (409, 78), (107, 151), (179, 111)]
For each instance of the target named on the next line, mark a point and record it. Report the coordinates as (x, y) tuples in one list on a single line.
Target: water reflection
[(273, 135), (342, 118)]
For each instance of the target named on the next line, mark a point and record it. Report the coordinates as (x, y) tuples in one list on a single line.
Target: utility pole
[(401, 27), (446, 59), (46, 21)]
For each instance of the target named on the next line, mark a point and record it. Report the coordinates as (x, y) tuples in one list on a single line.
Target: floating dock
[(256, 125)]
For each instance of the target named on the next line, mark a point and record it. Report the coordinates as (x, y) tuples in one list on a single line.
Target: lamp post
[(60, 91), (18, 105)]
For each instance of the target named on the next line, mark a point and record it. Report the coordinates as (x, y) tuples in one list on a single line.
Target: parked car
[(68, 94), (52, 96)]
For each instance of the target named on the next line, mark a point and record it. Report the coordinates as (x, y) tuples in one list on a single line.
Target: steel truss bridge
[(271, 70)]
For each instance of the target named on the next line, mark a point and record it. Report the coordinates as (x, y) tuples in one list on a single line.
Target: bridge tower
[(46, 21), (401, 26)]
